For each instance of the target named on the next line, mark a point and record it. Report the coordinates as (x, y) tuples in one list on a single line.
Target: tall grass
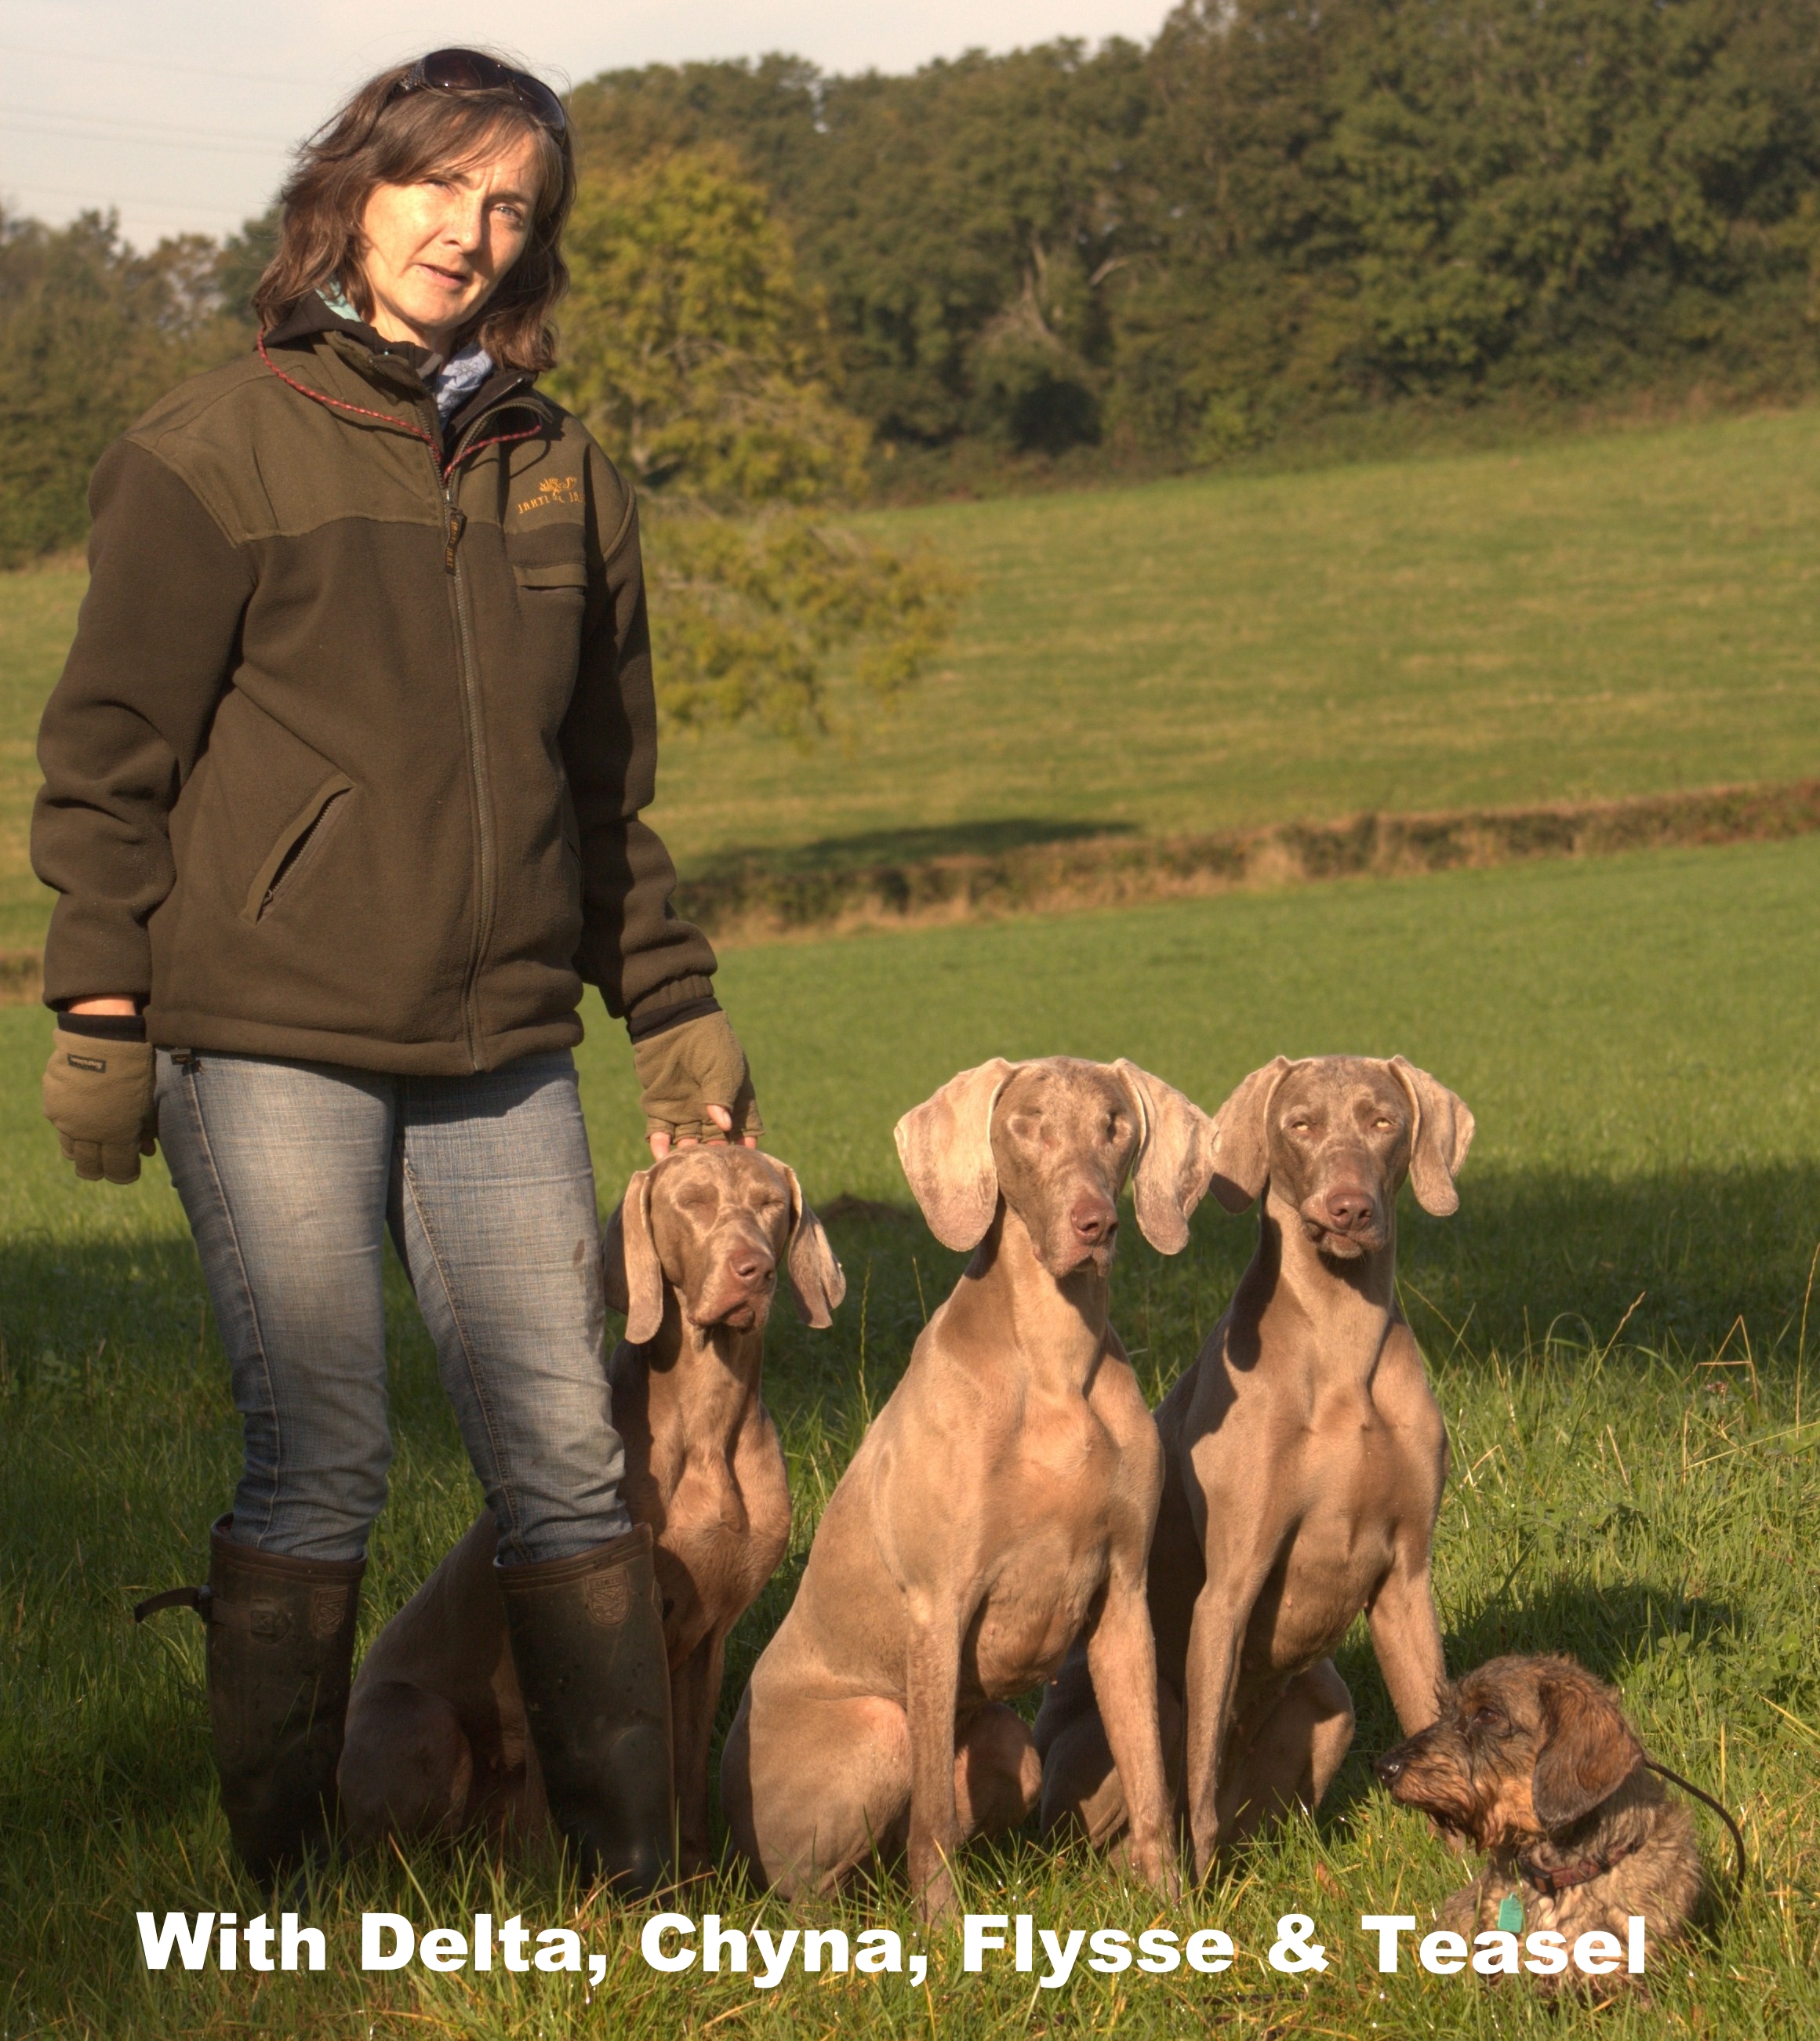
[(1635, 1485)]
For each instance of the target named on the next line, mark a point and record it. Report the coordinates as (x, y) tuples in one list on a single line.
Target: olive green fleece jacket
[(347, 761)]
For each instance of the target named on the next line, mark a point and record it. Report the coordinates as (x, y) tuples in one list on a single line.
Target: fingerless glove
[(98, 1095), (686, 1069)]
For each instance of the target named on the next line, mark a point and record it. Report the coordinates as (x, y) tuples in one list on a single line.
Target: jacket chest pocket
[(552, 577), (301, 836)]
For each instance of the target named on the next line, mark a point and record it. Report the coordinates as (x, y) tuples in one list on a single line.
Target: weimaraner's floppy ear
[(628, 1260), (1444, 1133), (816, 1281), (1589, 1752), (945, 1145), (1241, 1136), (1175, 1158)]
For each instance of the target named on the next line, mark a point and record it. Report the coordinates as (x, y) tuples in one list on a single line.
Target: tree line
[(1278, 211), (1283, 208)]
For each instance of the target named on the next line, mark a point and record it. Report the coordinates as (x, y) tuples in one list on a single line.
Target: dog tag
[(1510, 1913)]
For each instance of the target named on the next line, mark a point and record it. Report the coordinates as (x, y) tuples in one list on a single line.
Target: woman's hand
[(98, 1094), (696, 1086)]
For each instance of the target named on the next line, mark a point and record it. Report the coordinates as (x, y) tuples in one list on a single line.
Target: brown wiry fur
[(1531, 1760)]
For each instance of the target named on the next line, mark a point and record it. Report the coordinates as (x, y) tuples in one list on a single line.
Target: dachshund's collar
[(1564, 1877)]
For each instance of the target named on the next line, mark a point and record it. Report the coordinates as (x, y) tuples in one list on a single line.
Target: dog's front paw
[(1151, 1859), (932, 1885), (1459, 1911)]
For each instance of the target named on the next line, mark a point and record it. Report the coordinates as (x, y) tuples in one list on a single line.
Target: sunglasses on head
[(472, 71)]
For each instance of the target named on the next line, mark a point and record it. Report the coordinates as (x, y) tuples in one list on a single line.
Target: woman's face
[(435, 250)]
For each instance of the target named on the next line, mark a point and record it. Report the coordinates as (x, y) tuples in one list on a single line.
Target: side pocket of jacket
[(295, 839)]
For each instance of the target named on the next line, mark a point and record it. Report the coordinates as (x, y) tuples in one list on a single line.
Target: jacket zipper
[(480, 780), (454, 523)]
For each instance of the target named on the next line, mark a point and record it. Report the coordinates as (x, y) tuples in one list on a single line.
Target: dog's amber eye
[(1490, 1719)]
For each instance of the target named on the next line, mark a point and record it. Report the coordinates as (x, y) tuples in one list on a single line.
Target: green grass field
[(1636, 1037), (1589, 618)]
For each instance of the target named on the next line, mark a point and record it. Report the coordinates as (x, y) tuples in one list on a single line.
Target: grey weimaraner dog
[(437, 1738), (1001, 1502), (1305, 1456)]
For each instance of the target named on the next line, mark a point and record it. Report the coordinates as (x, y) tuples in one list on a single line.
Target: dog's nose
[(751, 1267), (1092, 1219), (1390, 1767), (1347, 1206)]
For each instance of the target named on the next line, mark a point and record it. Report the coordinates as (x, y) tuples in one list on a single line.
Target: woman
[(343, 784)]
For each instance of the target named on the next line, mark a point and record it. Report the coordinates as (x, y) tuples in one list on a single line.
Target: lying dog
[(1531, 1759), (1304, 1457), (1001, 1500), (437, 1738)]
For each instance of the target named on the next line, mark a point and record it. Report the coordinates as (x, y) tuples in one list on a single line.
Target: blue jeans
[(291, 1173)]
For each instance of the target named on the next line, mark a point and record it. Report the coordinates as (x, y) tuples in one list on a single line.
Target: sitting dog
[(1531, 1759), (437, 1738), (1304, 1457), (1002, 1500)]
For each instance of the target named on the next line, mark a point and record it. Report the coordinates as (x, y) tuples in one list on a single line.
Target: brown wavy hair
[(377, 139)]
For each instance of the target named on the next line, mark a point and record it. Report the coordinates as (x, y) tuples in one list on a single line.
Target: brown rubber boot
[(587, 1638), (280, 1650)]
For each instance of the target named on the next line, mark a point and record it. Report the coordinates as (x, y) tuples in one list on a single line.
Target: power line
[(151, 63), (147, 126), (112, 199), (62, 131)]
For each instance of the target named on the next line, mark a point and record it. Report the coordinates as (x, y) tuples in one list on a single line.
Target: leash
[(1687, 1786), (196, 1598)]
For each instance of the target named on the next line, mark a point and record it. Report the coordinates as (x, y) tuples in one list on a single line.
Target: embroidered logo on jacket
[(554, 489)]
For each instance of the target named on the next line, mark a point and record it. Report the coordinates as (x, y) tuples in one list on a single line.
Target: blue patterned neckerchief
[(459, 377), (452, 383)]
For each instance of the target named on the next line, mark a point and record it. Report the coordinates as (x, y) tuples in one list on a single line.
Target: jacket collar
[(396, 366)]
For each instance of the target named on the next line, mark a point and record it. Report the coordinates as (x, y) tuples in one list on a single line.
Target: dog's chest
[(1031, 1615), (724, 1526), (1049, 1504), (1341, 1504)]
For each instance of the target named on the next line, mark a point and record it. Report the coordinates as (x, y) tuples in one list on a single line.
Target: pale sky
[(180, 112)]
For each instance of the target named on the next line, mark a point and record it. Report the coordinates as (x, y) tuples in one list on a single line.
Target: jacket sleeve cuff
[(103, 1027), (670, 1004)]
